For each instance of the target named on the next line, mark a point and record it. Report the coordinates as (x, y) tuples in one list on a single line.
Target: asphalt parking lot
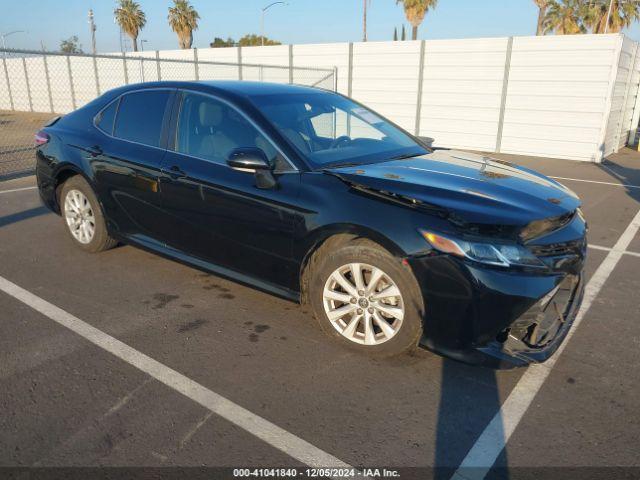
[(256, 384)]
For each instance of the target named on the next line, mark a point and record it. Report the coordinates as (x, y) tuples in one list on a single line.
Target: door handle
[(94, 150), (175, 172)]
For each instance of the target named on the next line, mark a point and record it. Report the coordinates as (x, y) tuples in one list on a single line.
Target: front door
[(219, 214)]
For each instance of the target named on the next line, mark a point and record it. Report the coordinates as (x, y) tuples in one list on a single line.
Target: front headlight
[(488, 253)]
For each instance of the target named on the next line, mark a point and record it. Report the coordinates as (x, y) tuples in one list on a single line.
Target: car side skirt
[(154, 246)]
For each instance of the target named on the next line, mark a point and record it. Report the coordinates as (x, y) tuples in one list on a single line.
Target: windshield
[(329, 130)]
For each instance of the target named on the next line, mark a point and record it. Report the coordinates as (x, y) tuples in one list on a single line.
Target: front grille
[(575, 247)]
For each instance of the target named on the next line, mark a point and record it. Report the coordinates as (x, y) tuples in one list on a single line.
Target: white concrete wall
[(557, 96), (570, 97), (619, 89), (625, 89), (462, 92)]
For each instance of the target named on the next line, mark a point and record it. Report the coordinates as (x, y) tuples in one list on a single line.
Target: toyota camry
[(309, 195)]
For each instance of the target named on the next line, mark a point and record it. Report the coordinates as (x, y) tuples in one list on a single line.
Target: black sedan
[(309, 195)]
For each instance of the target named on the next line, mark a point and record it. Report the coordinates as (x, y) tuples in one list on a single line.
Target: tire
[(408, 305), (76, 189)]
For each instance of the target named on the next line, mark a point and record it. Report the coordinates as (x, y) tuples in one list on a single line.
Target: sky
[(47, 22)]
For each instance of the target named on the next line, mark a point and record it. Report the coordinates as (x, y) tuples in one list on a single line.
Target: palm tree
[(183, 19), (542, 10), (565, 17), (621, 14), (415, 10), (131, 19)]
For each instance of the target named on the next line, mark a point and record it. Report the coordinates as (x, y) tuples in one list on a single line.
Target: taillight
[(41, 138)]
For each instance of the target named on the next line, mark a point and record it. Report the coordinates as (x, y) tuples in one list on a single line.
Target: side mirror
[(248, 159), (253, 160), (427, 141)]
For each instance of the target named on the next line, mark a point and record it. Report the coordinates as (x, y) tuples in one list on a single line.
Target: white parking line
[(596, 181), (266, 431), (608, 249), (600, 247), (495, 436), (17, 190)]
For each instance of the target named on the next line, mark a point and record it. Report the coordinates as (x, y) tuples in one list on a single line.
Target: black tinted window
[(106, 118), (140, 116), (210, 129)]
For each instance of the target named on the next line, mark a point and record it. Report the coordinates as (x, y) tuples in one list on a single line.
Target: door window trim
[(165, 120), (172, 142)]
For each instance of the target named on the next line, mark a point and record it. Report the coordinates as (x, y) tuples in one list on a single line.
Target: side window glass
[(140, 116), (210, 129), (106, 117)]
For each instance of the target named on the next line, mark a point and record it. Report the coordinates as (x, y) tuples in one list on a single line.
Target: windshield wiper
[(406, 155), (341, 165)]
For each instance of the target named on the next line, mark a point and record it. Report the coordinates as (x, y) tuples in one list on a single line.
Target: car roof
[(241, 88), (250, 88)]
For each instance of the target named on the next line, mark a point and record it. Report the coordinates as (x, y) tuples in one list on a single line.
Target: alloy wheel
[(79, 216), (363, 304)]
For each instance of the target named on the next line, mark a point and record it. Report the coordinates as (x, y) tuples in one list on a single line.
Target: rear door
[(127, 164)]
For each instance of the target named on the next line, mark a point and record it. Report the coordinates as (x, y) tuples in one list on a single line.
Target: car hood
[(473, 188)]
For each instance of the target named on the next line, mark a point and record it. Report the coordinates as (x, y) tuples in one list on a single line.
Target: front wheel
[(366, 299)]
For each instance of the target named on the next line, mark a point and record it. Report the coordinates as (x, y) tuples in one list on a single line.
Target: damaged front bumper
[(538, 333), (492, 317)]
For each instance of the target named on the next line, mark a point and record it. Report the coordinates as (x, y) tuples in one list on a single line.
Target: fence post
[(95, 73), (349, 82), (71, 87), (158, 65), (26, 80), (48, 79), (239, 62), (505, 87), (420, 80), (350, 71), (195, 63), (126, 72), (6, 78), (290, 63)]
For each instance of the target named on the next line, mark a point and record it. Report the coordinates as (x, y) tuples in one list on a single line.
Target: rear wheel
[(366, 299), (83, 217)]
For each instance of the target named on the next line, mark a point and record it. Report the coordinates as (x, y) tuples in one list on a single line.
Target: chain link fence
[(36, 86)]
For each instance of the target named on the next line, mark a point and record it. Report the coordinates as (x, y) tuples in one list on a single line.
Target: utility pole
[(3, 36), (262, 20), (92, 28), (115, 20), (364, 21)]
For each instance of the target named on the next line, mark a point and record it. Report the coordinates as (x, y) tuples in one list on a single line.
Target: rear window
[(106, 118), (140, 116)]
